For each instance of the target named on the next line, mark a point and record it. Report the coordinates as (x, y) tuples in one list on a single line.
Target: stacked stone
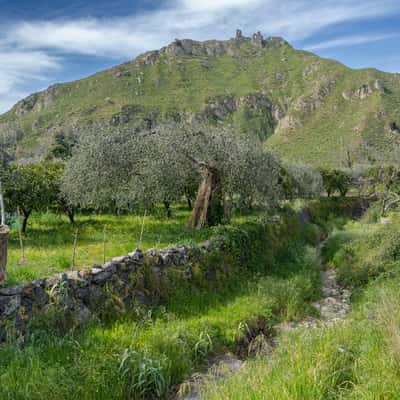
[(80, 294)]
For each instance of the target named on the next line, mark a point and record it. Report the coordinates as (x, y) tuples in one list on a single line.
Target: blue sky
[(48, 41)]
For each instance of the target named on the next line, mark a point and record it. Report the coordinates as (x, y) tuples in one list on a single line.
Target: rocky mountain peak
[(213, 48)]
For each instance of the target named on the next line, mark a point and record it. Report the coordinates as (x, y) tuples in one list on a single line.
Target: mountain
[(304, 107)]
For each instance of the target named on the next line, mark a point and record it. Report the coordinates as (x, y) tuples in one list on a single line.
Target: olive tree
[(30, 187), (124, 166), (385, 185), (228, 167), (336, 180), (300, 181), (120, 167)]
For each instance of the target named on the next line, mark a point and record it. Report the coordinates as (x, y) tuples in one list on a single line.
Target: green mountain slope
[(305, 107)]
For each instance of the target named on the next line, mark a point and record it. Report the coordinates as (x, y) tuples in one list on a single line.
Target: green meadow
[(49, 241)]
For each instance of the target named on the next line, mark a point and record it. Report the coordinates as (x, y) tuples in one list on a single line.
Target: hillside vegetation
[(143, 352), (301, 105), (355, 359)]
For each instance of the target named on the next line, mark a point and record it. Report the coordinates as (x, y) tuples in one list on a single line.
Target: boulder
[(9, 305)]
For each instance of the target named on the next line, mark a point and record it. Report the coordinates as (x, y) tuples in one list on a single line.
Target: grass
[(144, 354), (355, 359), (49, 240)]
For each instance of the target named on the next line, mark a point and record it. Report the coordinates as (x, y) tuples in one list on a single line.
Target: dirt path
[(333, 306)]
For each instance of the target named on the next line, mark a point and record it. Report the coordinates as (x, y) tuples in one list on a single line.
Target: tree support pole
[(4, 231), (3, 253)]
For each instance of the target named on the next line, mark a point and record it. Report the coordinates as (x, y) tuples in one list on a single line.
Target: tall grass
[(150, 350), (355, 359)]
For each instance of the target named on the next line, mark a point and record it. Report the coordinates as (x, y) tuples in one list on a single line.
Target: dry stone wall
[(78, 296), (69, 300)]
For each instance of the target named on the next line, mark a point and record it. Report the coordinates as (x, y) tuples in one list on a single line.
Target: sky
[(47, 41)]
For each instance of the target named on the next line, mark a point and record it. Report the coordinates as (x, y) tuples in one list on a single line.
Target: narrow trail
[(333, 306)]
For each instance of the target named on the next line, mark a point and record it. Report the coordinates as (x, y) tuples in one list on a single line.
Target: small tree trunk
[(21, 242), (208, 208), (74, 250), (3, 253), (104, 244), (71, 215), (3, 240), (387, 205), (142, 229), (2, 208), (383, 208), (25, 220), (167, 206), (189, 202)]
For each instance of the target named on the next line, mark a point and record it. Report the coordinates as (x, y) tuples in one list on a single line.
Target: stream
[(333, 306)]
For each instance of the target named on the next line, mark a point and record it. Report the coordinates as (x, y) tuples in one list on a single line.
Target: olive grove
[(126, 167)]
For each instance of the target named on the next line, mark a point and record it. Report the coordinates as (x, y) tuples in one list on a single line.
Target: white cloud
[(207, 5), (17, 71), (350, 41), (90, 37), (123, 38)]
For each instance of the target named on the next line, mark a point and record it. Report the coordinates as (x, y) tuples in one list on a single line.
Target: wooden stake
[(74, 252), (4, 231), (21, 243), (142, 230), (104, 244), (2, 208)]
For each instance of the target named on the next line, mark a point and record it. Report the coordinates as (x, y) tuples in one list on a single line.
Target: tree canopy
[(31, 187), (336, 180), (127, 167)]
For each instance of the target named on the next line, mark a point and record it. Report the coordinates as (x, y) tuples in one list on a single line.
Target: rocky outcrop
[(311, 69), (219, 108), (127, 113), (311, 103), (26, 105), (212, 48), (368, 89), (38, 101), (365, 90), (121, 73)]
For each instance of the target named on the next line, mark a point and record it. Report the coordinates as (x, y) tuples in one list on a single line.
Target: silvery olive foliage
[(302, 181), (110, 167), (247, 173), (127, 167)]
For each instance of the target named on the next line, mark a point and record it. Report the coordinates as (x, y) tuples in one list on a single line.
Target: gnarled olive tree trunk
[(208, 208)]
